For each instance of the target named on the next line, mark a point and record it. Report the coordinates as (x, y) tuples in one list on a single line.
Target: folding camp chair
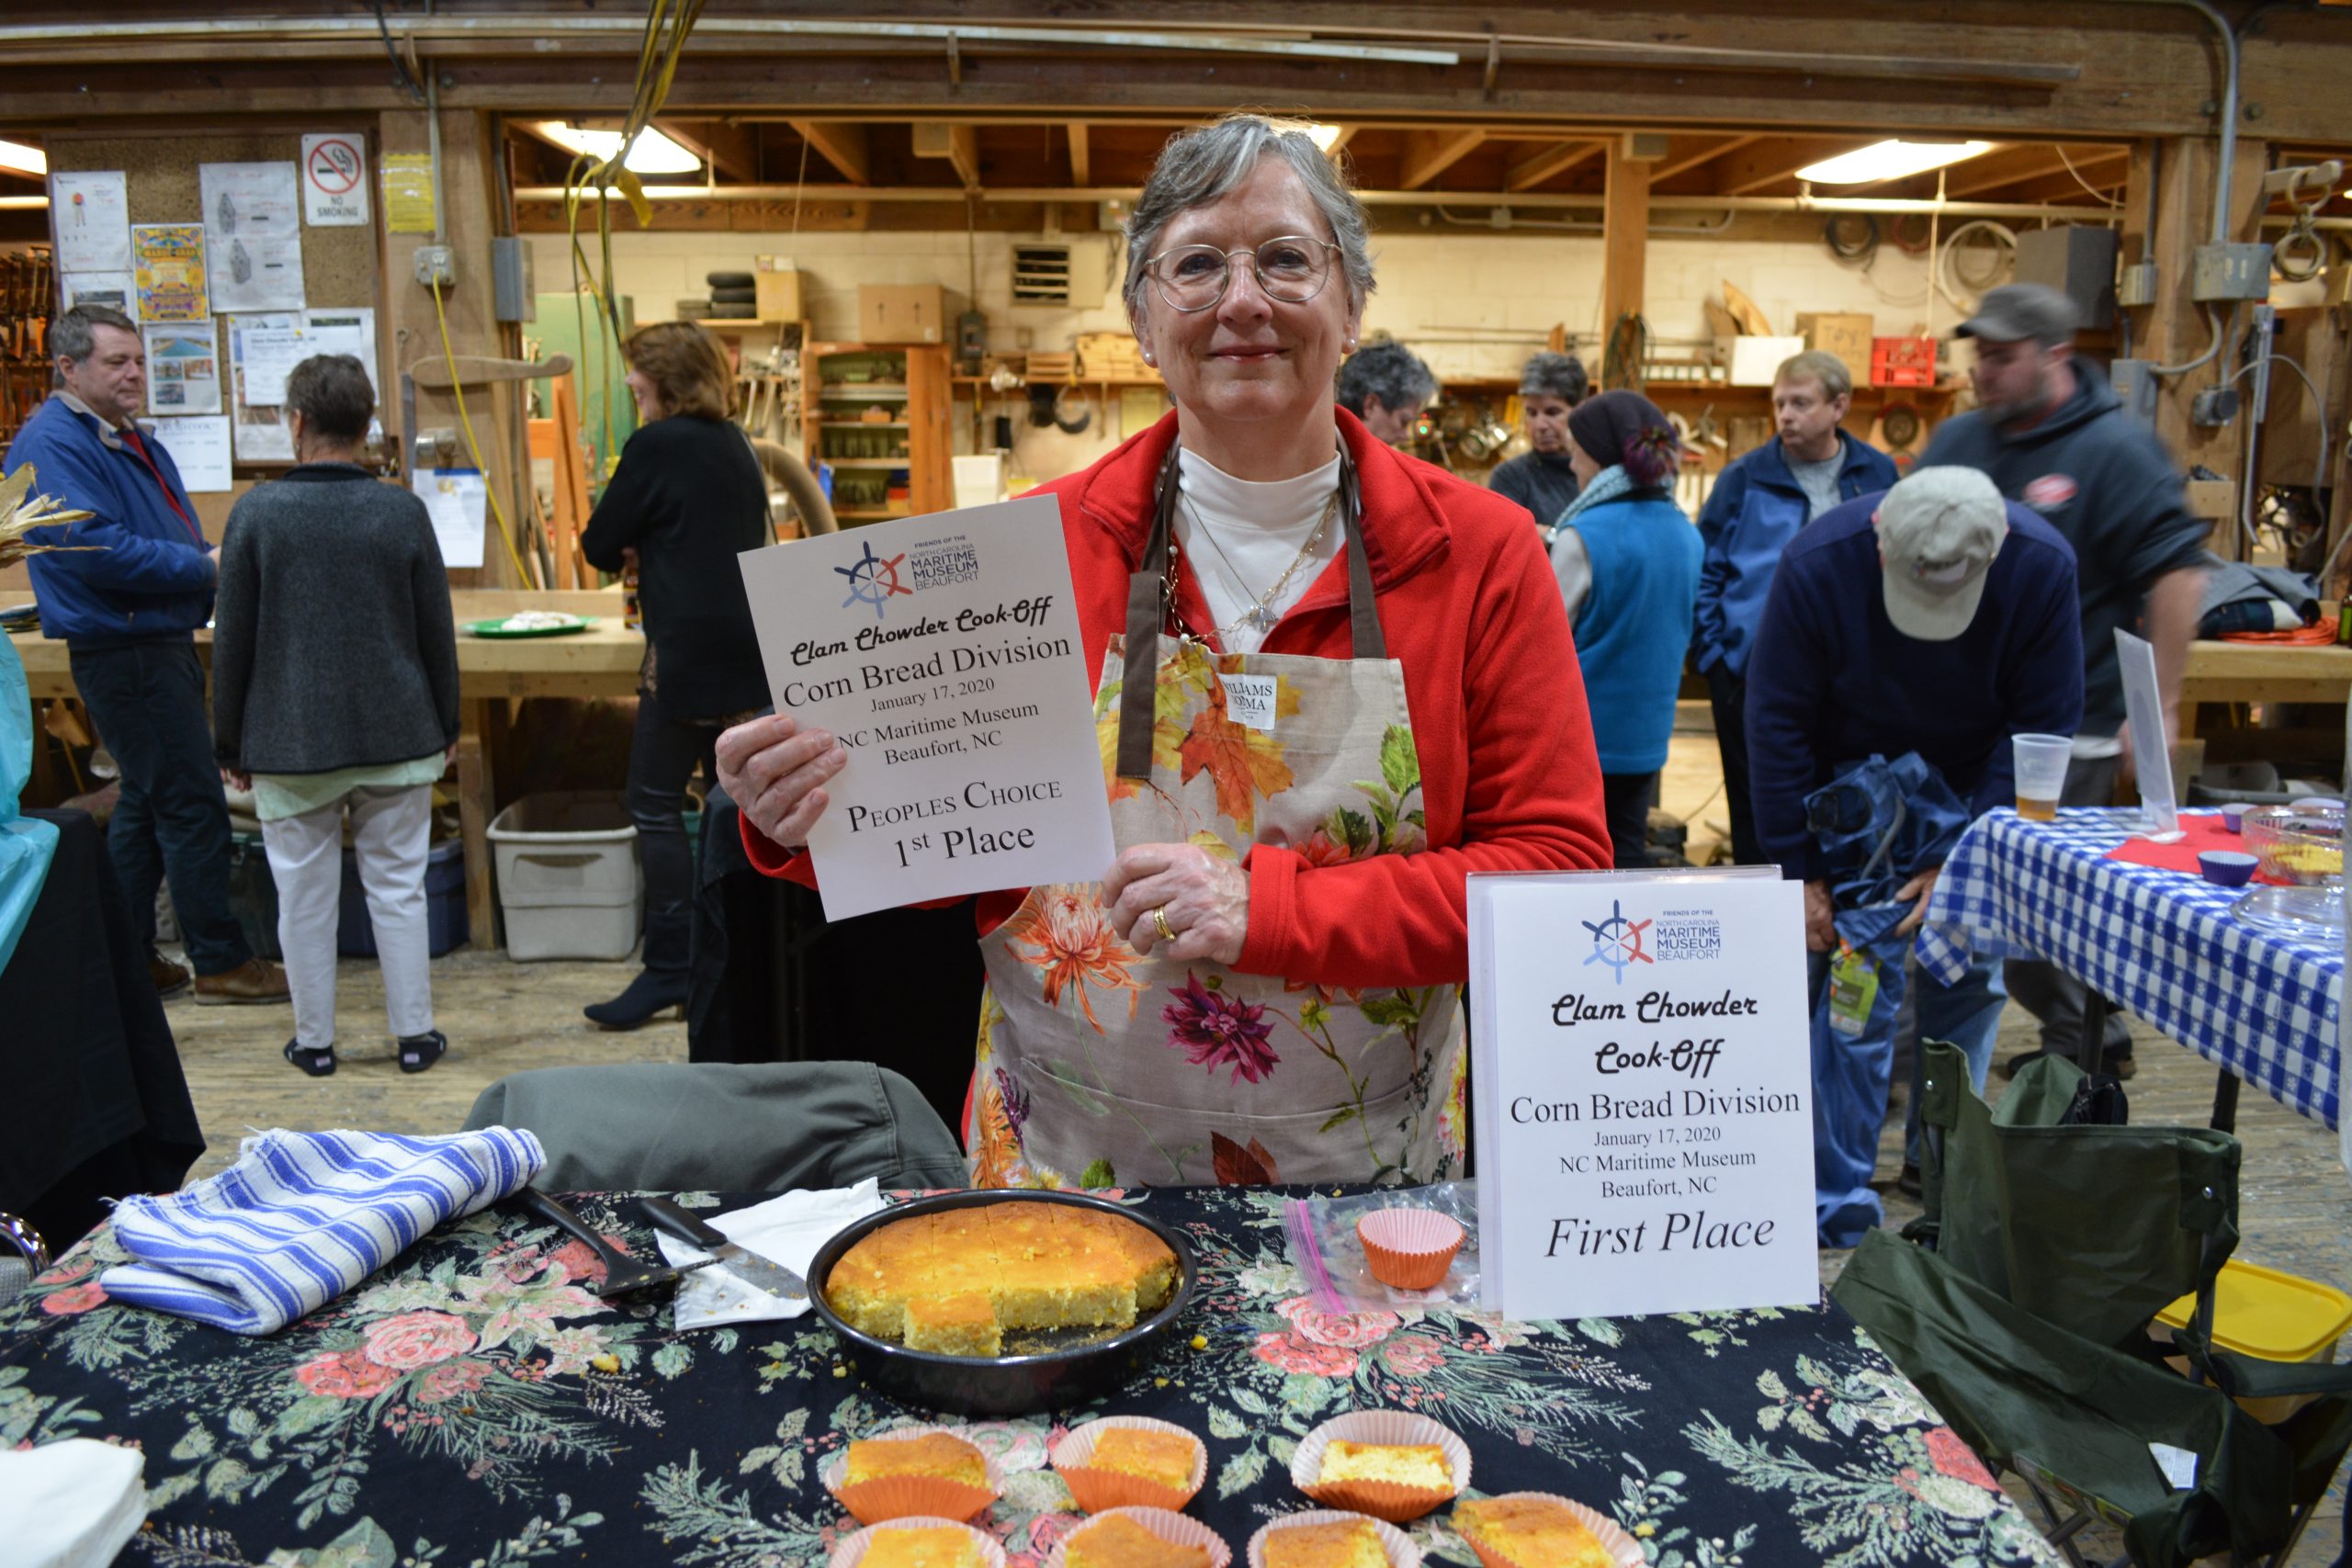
[(2024, 1316)]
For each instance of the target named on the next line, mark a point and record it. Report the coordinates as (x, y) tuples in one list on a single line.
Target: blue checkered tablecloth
[(2160, 944)]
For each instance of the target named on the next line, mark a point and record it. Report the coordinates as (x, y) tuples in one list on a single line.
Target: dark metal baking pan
[(1065, 1369)]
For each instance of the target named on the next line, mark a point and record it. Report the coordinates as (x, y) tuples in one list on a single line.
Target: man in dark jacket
[(1386, 386), (1757, 506), (1543, 480), (2050, 432), (126, 611), (1936, 619)]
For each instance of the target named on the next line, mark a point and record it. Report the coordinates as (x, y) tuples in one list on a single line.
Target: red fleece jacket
[(1471, 609)]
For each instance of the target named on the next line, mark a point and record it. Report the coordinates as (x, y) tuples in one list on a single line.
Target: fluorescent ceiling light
[(23, 159), (651, 153), (1323, 136), (1889, 161)]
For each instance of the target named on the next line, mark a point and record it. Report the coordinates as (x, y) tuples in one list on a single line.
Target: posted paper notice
[(199, 447), (1644, 1077), (458, 500), (253, 227), (91, 217), (944, 651)]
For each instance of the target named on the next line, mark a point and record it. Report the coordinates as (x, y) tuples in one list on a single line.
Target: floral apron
[(1099, 1067)]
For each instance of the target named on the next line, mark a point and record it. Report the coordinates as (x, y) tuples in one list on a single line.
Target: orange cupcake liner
[(1100, 1491), (889, 1497), (1409, 1249), (1606, 1530), (1165, 1523), (852, 1548), (1386, 1500), (1402, 1552)]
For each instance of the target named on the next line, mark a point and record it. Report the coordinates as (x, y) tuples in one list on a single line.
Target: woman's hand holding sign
[(775, 771)]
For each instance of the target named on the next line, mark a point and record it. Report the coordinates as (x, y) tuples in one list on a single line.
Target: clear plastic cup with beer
[(2041, 774)]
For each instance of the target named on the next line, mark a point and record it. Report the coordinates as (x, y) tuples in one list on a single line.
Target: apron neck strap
[(1151, 592)]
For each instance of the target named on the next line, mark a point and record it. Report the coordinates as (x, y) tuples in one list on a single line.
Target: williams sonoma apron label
[(943, 651), (1642, 1072)]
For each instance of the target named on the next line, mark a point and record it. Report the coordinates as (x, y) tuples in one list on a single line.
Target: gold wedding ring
[(1160, 919)]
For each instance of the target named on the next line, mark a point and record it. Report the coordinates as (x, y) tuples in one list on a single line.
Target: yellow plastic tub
[(2270, 1315)]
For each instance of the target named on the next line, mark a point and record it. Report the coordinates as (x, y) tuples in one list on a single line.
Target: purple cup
[(2226, 868)]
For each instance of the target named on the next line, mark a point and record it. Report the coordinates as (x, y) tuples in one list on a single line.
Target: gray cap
[(1938, 533), (2016, 311)]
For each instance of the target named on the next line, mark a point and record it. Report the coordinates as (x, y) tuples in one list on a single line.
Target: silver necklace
[(1260, 615)]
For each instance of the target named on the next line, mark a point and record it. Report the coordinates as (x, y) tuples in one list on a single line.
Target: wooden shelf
[(741, 325), (861, 462), (868, 513), (851, 422), (1086, 381)]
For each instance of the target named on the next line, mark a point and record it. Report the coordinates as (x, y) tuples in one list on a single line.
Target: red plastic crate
[(1903, 362)]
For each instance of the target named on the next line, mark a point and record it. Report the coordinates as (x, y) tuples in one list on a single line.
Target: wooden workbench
[(600, 662), (2257, 672)]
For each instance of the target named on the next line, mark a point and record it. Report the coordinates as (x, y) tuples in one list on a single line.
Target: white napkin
[(73, 1503), (786, 1230)]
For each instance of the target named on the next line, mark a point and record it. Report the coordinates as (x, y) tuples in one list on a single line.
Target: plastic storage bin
[(445, 904), (2269, 1316), (568, 879)]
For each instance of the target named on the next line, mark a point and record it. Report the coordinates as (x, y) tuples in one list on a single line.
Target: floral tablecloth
[(476, 1405)]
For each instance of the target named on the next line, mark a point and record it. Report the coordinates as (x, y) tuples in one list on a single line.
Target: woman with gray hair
[(334, 691), (1386, 386), (1543, 479), (1342, 681)]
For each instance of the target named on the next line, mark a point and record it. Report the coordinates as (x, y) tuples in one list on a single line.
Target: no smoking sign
[(334, 182)]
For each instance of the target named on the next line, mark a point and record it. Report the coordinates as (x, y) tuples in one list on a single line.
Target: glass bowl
[(2300, 845)]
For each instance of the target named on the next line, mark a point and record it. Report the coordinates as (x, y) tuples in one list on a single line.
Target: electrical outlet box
[(2214, 406), (2135, 383), (513, 295), (2136, 284), (437, 263), (2229, 272)]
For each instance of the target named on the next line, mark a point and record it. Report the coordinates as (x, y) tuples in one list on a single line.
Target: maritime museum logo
[(1617, 942), (873, 580)]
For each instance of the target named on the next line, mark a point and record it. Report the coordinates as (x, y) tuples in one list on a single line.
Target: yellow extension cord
[(449, 356)]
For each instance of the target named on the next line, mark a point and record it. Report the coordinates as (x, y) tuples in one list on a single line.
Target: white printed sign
[(335, 181), (943, 652), (89, 217), (1644, 1083), (252, 235)]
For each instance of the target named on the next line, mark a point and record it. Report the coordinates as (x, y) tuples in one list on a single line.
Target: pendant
[(1262, 617)]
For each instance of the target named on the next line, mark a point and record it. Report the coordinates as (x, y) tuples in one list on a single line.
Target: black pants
[(1626, 798), (172, 822), (1727, 693), (662, 756)]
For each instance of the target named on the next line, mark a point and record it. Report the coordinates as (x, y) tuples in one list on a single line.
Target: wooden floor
[(503, 1017)]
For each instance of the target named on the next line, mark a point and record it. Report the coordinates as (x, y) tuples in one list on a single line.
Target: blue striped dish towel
[(302, 1217)]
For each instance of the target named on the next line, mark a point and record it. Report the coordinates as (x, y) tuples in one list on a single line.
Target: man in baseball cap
[(2050, 432), (1935, 619), (1938, 533)]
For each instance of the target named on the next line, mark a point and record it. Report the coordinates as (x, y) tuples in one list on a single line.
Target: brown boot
[(251, 981), (169, 977)]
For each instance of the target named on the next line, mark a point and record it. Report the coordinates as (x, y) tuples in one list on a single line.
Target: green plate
[(498, 628)]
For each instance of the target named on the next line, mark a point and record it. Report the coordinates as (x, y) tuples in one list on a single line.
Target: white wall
[(1472, 300)]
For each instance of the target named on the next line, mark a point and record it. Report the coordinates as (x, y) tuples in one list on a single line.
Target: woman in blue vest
[(1628, 563)]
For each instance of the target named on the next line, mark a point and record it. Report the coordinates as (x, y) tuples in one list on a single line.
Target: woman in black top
[(687, 499)]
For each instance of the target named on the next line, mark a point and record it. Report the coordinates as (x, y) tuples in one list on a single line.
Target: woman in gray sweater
[(334, 690)]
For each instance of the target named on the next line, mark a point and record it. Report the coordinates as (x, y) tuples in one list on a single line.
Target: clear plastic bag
[(1321, 1233)]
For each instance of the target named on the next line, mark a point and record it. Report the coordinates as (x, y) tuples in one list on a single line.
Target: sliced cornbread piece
[(1342, 1543), (1534, 1533), (1117, 1541), (954, 1326), (1163, 1457), (1419, 1464), (934, 1455), (921, 1547)]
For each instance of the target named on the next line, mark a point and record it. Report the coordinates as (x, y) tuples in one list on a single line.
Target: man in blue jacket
[(126, 611), (1757, 506), (1937, 618)]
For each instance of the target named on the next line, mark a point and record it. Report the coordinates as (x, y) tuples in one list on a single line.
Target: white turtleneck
[(1253, 532)]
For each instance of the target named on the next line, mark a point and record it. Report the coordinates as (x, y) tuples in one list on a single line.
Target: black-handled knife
[(760, 1273)]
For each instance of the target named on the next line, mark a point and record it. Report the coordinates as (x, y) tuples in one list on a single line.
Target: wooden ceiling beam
[(1081, 156), (1339, 144), (841, 143), (1551, 162), (1771, 159), (959, 144), (2106, 176), (2043, 166), (732, 149), (1429, 153), (1681, 160)]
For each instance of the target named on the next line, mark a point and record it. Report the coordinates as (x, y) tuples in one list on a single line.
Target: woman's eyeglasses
[(1291, 269)]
